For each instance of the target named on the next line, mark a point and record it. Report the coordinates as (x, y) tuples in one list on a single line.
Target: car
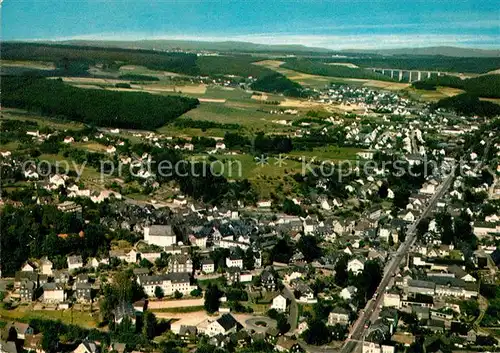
[(367, 323)]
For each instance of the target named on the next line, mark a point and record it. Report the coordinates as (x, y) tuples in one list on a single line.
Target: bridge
[(406, 75)]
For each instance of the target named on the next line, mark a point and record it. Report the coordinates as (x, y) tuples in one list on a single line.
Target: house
[(233, 275), (46, 266), (123, 255), (286, 344), (87, 347), (188, 332), (28, 267), (371, 347), (338, 315), (268, 280), (421, 287), (264, 204), (348, 293), (392, 300), (75, 262), (460, 273), (188, 147), (27, 291), (33, 343), (220, 146), (83, 292), (124, 311), (70, 207), (356, 266), (224, 325), (161, 235), (22, 329), (169, 283), (68, 139), (117, 347), (53, 293), (280, 303), (180, 263), (234, 261), (208, 266)]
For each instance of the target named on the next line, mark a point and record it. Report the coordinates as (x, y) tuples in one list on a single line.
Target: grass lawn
[(329, 153), (24, 313), (187, 309)]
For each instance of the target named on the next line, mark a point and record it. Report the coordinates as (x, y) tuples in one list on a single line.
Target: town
[(180, 199)]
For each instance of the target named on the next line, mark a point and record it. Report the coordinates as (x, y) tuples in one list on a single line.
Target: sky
[(333, 24)]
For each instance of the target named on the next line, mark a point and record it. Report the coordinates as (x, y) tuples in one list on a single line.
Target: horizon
[(335, 25)]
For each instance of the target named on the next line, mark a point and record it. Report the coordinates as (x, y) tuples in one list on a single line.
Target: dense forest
[(431, 63), (468, 104), (135, 77), (482, 86), (319, 68), (134, 110), (76, 60), (277, 83)]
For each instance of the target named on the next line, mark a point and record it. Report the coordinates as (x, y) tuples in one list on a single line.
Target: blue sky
[(336, 24)]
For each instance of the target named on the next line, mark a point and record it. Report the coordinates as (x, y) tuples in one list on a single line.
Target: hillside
[(432, 51), (487, 86)]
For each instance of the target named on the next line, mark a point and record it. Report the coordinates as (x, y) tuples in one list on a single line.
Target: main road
[(358, 330)]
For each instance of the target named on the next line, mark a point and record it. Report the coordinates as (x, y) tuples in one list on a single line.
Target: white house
[(53, 293), (220, 146), (161, 235), (232, 261), (208, 266), (68, 140), (392, 300), (46, 266), (224, 325), (75, 262), (264, 204), (279, 303), (348, 292), (370, 347), (356, 266)]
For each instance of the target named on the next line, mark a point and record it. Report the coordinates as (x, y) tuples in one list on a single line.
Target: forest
[(468, 104), (483, 86), (133, 110), (319, 68), (76, 60), (277, 83)]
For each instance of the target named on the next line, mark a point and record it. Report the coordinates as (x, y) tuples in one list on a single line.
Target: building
[(421, 287), (87, 347), (22, 329), (208, 266), (280, 303), (348, 292), (83, 292), (124, 311), (70, 207), (53, 293), (234, 261), (356, 266), (161, 235), (180, 263), (169, 283), (224, 325), (392, 300), (338, 315), (46, 266), (371, 347), (27, 291), (75, 262)]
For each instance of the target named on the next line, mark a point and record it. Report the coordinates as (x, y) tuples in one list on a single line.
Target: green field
[(68, 316)]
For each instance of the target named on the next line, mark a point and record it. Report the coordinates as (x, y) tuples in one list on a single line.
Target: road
[(293, 308), (358, 330)]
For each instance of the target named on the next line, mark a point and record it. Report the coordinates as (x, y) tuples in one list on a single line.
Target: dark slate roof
[(227, 321)]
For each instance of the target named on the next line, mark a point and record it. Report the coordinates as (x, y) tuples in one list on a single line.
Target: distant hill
[(430, 51), (198, 45)]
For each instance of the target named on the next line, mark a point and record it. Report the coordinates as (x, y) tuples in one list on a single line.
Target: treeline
[(482, 86), (134, 110), (76, 60), (319, 68), (468, 104), (66, 56), (203, 124), (431, 63), (136, 77), (277, 83)]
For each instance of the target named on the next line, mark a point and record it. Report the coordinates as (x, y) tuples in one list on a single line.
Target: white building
[(234, 262), (356, 266), (169, 284), (348, 292), (53, 293), (161, 235), (370, 347), (75, 262), (279, 303), (392, 300)]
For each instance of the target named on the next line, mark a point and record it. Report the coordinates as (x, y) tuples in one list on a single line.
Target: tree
[(249, 260), (159, 292), (177, 295), (391, 240), (317, 333), (341, 274), (149, 325), (145, 263), (308, 245), (212, 297), (383, 191), (196, 292)]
